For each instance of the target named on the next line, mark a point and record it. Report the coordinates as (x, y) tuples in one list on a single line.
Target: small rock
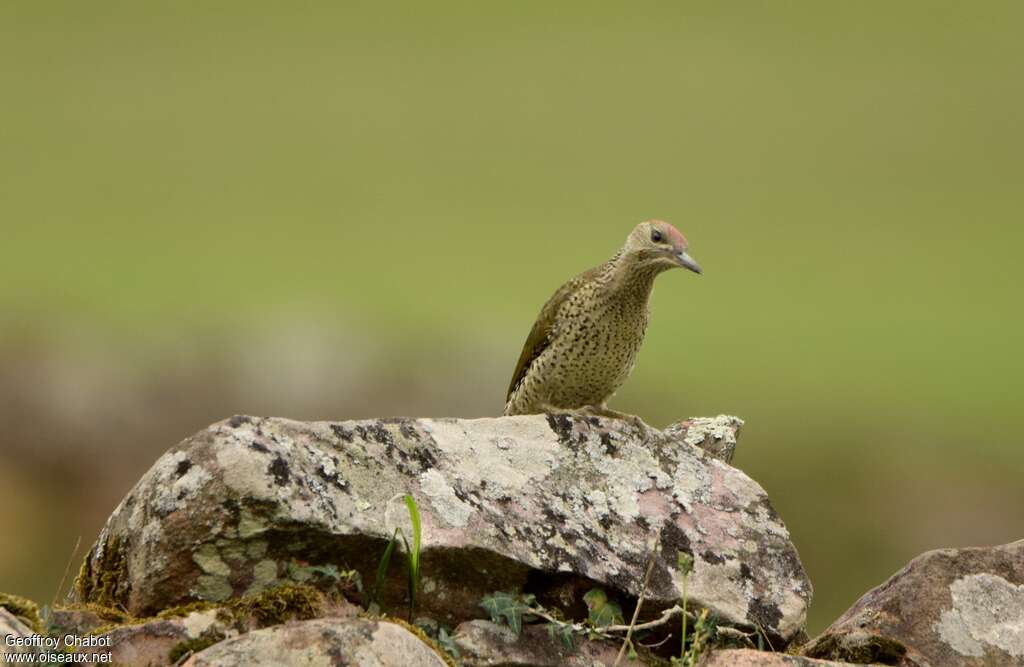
[(12, 629), (83, 619), (153, 642), (715, 435), (326, 642), (483, 644), (960, 607), (752, 658)]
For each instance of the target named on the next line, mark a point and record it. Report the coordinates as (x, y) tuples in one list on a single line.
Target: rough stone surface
[(514, 503), (12, 626), (715, 435), (752, 658), (73, 621), (946, 607), (326, 642), (484, 644), (151, 643)]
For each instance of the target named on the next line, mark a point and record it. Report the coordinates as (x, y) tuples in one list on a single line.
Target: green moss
[(423, 636), (24, 609), (100, 577), (185, 609), (274, 606), (192, 646)]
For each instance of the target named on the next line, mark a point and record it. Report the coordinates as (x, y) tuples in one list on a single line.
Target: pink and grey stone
[(555, 501)]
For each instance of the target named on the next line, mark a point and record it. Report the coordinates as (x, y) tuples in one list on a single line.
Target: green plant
[(412, 559), (604, 615), (510, 608), (601, 611), (705, 627)]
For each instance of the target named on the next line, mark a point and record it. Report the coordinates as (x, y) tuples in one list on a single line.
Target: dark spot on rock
[(605, 521), (465, 497), (712, 557), (643, 523), (673, 539), (259, 447), (767, 505), (333, 478), (425, 457), (279, 469), (561, 424), (342, 432), (337, 656), (745, 572), (183, 467), (375, 432), (232, 507), (407, 431), (238, 420), (609, 445), (764, 612)]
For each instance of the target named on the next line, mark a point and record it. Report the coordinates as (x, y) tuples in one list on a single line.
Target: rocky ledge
[(510, 541), (550, 506)]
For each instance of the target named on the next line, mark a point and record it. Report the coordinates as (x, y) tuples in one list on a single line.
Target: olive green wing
[(543, 330)]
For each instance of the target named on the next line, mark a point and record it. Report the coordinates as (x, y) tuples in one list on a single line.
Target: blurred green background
[(342, 210)]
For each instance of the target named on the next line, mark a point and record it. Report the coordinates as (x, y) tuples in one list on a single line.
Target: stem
[(639, 602), (682, 644)]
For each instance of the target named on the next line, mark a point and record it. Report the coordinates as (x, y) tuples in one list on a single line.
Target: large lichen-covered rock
[(549, 504), (960, 607), (325, 642)]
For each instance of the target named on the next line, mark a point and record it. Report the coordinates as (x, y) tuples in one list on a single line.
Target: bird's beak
[(687, 262)]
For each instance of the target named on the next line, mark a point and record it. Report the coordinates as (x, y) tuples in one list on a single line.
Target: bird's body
[(587, 336)]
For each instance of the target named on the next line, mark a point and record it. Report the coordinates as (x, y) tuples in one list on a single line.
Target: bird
[(586, 338)]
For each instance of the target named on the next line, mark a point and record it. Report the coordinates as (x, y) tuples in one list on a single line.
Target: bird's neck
[(627, 278)]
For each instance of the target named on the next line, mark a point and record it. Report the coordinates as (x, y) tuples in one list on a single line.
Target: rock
[(752, 658), (162, 641), (946, 607), (484, 644), (327, 642), (715, 435), (76, 621), (555, 504), (16, 636), (23, 609)]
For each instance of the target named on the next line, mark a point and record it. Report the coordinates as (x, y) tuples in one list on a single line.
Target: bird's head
[(657, 244)]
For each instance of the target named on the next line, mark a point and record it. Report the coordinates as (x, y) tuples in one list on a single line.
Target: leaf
[(506, 606), (414, 553), (382, 566), (561, 632), (602, 610), (447, 643), (684, 562)]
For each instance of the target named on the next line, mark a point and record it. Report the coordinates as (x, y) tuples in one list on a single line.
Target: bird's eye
[(656, 236)]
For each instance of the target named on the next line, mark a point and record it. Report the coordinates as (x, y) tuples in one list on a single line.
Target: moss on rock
[(102, 573), (420, 634), (192, 646), (274, 606), (24, 609)]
